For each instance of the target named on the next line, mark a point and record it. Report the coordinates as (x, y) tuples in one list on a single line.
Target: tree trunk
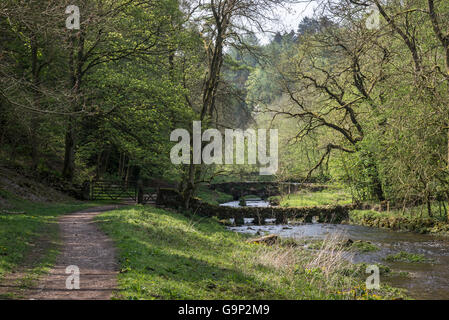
[(69, 156), (139, 192), (446, 211), (377, 189), (189, 189), (75, 65), (35, 119)]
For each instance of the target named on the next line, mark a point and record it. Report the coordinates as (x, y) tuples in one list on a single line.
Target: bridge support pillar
[(308, 218), (259, 221), (239, 220), (281, 218)]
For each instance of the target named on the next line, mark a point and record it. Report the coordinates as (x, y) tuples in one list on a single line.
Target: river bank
[(399, 222), (425, 274), (415, 262)]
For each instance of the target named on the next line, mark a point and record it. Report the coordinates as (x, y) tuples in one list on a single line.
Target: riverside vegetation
[(412, 219)]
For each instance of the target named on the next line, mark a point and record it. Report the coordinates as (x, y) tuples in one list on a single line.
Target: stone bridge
[(323, 214)]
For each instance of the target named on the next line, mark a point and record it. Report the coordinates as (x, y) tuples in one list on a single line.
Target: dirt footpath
[(88, 248)]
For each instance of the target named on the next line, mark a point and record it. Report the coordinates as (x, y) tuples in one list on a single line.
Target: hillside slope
[(15, 187)]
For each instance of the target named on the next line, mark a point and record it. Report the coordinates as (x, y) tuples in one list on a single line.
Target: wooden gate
[(113, 190), (121, 190)]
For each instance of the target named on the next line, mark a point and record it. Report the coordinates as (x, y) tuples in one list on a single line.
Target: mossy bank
[(399, 222)]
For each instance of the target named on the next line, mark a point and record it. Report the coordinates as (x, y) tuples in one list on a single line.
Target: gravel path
[(88, 248)]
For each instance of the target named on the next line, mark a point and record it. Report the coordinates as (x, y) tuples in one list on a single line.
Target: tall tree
[(221, 23)]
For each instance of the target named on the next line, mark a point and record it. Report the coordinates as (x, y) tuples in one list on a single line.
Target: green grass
[(364, 246), (166, 255), (308, 199), (39, 267), (250, 197), (360, 215), (407, 257), (19, 233), (356, 246), (213, 196)]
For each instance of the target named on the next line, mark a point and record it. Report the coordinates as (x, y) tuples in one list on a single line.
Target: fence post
[(91, 190), (139, 192), (86, 190)]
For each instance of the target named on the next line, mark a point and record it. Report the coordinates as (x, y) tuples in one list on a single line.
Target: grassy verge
[(25, 227), (166, 255), (307, 199), (33, 265)]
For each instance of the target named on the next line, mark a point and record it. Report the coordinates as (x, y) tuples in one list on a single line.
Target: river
[(424, 280)]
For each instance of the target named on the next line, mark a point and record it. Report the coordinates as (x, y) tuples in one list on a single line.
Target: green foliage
[(406, 257), (364, 246), (251, 197), (242, 202), (350, 106), (212, 196), (130, 88)]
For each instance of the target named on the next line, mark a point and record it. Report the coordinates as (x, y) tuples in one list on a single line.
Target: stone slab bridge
[(323, 214)]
